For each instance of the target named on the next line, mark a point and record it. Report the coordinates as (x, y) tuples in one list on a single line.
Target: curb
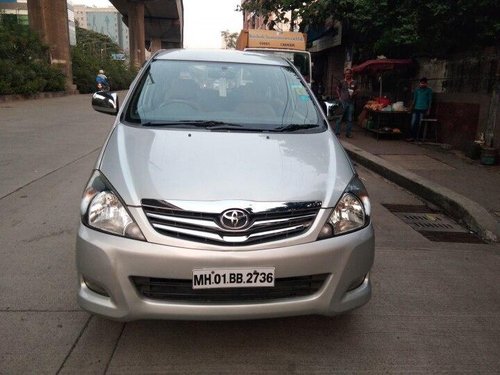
[(461, 208)]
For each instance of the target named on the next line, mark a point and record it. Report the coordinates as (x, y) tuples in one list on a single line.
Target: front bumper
[(110, 261)]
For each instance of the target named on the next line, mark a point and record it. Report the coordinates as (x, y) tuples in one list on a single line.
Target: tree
[(395, 28), (93, 52), (229, 39), (24, 61), (283, 11)]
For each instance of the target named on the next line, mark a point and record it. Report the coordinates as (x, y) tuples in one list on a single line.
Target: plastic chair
[(425, 125)]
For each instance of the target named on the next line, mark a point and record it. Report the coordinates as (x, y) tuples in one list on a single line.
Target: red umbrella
[(380, 65)]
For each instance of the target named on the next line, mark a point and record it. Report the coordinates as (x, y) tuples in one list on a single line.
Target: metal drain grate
[(433, 225), (406, 208), (430, 222), (460, 237)]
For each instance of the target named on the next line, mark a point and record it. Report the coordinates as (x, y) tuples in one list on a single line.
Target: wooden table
[(383, 122)]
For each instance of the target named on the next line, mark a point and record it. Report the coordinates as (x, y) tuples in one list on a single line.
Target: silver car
[(221, 193)]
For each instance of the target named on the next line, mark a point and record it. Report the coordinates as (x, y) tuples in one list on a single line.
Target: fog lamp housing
[(95, 287)]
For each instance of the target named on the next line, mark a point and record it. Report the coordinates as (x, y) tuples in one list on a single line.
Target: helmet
[(101, 71)]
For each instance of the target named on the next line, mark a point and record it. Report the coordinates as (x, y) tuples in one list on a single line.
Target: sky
[(203, 20)]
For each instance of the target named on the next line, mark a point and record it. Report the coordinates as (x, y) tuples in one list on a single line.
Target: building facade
[(19, 10), (15, 8), (107, 21)]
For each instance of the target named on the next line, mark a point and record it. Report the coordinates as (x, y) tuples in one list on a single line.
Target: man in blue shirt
[(420, 106)]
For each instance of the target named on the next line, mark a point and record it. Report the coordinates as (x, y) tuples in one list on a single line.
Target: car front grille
[(176, 290), (266, 222)]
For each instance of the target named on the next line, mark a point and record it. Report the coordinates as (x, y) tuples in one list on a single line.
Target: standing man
[(346, 92), (420, 106)]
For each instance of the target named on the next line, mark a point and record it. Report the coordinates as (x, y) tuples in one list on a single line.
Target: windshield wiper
[(161, 123), (215, 125), (207, 124), (293, 127)]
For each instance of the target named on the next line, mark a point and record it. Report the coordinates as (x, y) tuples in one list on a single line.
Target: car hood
[(199, 165)]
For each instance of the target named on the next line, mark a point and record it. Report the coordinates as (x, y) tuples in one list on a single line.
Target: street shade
[(378, 66)]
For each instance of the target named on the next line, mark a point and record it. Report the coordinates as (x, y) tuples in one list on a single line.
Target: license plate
[(206, 278)]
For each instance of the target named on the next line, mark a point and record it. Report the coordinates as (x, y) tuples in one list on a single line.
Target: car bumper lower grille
[(176, 290)]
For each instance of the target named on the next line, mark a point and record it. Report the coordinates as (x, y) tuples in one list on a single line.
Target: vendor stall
[(385, 118), (380, 115)]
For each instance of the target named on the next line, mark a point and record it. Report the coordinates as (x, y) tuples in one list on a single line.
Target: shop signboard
[(328, 41)]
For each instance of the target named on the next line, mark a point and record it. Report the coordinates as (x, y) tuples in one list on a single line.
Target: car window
[(259, 97)]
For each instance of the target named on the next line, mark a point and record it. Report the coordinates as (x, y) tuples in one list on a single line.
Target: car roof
[(222, 55)]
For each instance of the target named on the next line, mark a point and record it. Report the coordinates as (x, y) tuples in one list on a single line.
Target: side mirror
[(333, 109), (105, 102)]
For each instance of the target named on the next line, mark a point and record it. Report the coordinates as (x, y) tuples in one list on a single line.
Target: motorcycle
[(102, 87)]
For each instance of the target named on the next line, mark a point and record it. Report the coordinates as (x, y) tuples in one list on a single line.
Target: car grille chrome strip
[(262, 223), (274, 223), (269, 233), (190, 232), (195, 222)]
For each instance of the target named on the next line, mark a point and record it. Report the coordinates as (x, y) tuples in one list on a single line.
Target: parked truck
[(291, 45)]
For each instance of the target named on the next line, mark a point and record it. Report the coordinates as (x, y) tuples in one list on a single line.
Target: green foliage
[(93, 52), (24, 64), (229, 38), (25, 67), (285, 11), (397, 28)]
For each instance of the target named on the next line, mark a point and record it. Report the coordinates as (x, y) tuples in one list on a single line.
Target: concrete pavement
[(435, 305), (463, 188)]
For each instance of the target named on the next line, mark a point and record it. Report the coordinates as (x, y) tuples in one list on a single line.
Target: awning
[(380, 65)]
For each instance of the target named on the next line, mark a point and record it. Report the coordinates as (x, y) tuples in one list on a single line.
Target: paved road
[(435, 306)]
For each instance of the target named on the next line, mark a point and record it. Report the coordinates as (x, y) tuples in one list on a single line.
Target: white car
[(233, 201)]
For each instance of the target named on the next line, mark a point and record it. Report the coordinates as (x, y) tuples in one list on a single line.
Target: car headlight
[(102, 209), (351, 213)]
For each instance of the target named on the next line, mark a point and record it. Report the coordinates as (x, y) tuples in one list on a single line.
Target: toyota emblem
[(234, 219)]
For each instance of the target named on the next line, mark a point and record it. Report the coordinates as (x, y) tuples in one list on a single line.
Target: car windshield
[(216, 95), (300, 59)]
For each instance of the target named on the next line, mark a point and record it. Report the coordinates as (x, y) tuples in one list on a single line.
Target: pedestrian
[(347, 90), (420, 107), (317, 89), (102, 81)]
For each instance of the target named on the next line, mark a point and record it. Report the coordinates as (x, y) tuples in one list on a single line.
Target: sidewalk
[(463, 188)]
